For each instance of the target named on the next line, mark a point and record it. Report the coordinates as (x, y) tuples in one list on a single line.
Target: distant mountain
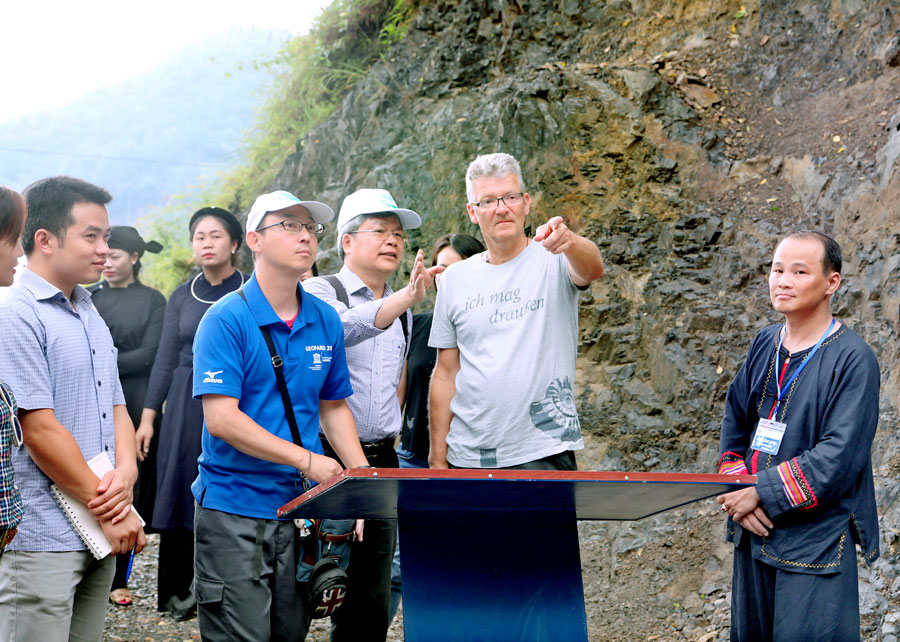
[(164, 132)]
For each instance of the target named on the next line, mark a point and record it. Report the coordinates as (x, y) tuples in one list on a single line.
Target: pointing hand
[(554, 235)]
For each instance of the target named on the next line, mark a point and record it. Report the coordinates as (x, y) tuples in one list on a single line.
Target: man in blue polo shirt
[(245, 563)]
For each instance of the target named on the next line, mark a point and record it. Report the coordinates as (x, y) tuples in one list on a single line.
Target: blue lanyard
[(787, 386)]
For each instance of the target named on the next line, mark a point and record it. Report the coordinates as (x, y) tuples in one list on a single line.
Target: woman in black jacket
[(134, 314)]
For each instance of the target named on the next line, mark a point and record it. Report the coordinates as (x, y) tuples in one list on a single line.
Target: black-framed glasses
[(17, 438), (511, 200), (382, 235), (296, 226)]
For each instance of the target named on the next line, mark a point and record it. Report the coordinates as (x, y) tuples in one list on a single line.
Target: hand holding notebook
[(115, 494), (80, 516)]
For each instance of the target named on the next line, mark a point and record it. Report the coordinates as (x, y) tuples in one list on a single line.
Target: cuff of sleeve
[(785, 488), (26, 401), (443, 345), (368, 311), (731, 463), (199, 391), (361, 321), (346, 393), (797, 489)]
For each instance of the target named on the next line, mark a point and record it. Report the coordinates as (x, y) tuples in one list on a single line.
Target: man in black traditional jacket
[(801, 415)]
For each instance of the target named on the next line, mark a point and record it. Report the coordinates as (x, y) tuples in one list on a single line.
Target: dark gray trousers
[(245, 578)]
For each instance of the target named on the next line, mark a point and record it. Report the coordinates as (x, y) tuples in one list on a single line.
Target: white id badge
[(768, 436)]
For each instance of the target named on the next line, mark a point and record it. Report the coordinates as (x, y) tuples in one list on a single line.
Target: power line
[(152, 161)]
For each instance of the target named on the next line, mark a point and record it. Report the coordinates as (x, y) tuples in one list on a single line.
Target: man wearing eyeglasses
[(260, 447), (506, 328), (371, 239)]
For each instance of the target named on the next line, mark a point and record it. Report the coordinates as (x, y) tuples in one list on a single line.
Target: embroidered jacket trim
[(799, 493), (731, 463)]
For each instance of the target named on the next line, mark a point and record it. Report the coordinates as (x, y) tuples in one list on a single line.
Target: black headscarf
[(125, 237), (232, 225)]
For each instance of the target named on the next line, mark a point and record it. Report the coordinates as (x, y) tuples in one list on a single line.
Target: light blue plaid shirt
[(375, 357), (64, 359)]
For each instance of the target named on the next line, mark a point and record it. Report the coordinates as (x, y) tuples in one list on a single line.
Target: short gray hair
[(493, 166), (353, 225)]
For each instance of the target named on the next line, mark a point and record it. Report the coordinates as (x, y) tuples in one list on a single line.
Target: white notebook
[(80, 516)]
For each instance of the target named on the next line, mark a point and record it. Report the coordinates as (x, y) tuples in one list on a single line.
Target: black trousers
[(770, 604), (176, 566), (364, 613)]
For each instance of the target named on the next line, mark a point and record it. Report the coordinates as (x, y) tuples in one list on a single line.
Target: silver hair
[(353, 225), (493, 166)]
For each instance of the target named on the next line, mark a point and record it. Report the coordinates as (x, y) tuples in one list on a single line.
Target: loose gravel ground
[(141, 622)]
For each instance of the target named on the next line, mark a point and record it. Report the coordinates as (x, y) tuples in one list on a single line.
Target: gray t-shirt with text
[(516, 327)]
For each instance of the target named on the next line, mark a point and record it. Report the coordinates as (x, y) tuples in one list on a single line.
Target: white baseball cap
[(375, 201), (274, 201)]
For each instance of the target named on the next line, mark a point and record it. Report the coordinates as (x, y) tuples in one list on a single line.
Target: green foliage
[(394, 28), (348, 37), (168, 269)]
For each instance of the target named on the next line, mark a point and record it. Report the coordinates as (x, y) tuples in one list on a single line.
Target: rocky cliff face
[(685, 138)]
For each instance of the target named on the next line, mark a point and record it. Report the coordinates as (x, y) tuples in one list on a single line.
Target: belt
[(370, 446), (379, 453)]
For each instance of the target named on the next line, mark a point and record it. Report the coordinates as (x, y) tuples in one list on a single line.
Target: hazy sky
[(54, 51)]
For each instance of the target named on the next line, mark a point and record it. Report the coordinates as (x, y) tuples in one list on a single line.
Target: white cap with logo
[(274, 201), (375, 201)]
